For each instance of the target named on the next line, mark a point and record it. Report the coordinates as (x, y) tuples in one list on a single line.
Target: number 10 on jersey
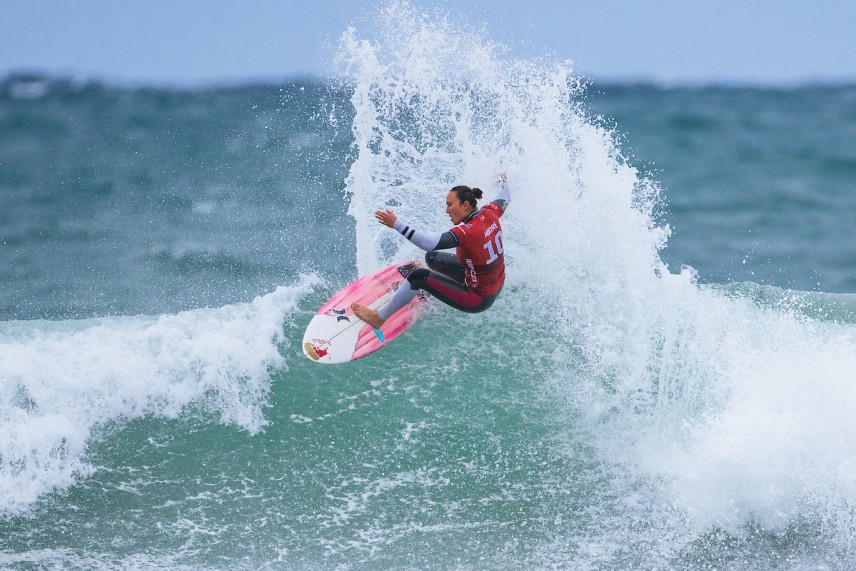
[(489, 246)]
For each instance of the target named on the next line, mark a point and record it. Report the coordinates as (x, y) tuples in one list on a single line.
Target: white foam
[(734, 413), (781, 446), (61, 380)]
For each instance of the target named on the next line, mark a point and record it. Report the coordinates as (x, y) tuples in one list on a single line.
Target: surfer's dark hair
[(467, 194)]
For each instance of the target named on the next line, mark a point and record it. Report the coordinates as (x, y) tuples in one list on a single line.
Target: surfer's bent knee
[(418, 277)]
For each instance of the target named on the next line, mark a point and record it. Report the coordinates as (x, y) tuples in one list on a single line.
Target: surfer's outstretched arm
[(503, 196), (426, 242)]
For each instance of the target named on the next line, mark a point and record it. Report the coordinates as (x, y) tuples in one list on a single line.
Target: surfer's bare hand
[(386, 217)]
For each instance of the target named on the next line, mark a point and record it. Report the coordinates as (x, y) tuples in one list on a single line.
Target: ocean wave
[(729, 408), (62, 380)]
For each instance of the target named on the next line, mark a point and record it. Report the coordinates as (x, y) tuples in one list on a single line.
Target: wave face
[(65, 380), (722, 414), (615, 409)]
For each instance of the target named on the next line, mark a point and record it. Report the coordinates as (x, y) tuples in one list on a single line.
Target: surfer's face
[(456, 209)]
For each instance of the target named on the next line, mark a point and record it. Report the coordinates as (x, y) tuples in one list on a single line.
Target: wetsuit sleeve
[(503, 197), (424, 241)]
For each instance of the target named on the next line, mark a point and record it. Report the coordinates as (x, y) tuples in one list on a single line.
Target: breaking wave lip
[(61, 380), (689, 386)]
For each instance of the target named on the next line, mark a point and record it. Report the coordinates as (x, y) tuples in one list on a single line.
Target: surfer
[(469, 280)]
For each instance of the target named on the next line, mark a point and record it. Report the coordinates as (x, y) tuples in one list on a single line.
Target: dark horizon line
[(32, 75)]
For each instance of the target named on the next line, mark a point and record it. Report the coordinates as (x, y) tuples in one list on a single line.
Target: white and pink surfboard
[(336, 335)]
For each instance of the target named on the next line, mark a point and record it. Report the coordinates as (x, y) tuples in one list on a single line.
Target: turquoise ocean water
[(667, 381)]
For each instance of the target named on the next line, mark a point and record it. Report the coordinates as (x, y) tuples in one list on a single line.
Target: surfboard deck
[(335, 335)]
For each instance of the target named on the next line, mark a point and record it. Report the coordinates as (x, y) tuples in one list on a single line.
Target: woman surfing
[(470, 279)]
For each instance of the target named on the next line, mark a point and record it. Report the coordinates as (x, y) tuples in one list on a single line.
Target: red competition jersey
[(480, 250)]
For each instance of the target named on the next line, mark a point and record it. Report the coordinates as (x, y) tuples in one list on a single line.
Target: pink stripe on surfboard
[(392, 328), (383, 282), (375, 286)]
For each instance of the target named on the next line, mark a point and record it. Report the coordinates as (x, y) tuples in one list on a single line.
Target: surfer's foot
[(368, 315)]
